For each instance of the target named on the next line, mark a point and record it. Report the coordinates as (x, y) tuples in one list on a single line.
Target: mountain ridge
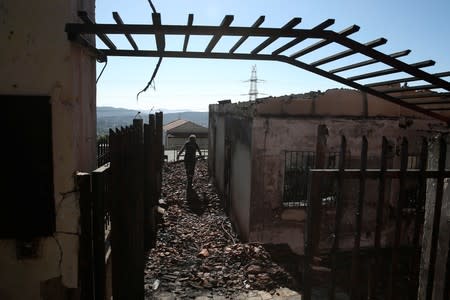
[(114, 117)]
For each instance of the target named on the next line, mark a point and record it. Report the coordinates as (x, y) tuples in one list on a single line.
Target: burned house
[(260, 154)]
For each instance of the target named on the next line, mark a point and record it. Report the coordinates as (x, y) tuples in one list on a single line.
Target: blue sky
[(192, 84)]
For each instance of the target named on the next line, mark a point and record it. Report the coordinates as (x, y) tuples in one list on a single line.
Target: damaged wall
[(38, 59), (290, 123)]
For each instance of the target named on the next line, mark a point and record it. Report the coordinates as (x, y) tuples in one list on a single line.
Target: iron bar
[(354, 277), (374, 43), (159, 37), (186, 37), (368, 62), (289, 25), (338, 216), (346, 32), (226, 22), (300, 39), (404, 80), (105, 39), (422, 64), (130, 39), (257, 23)]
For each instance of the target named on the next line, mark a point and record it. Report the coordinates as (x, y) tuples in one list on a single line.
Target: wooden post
[(355, 292), (98, 193), (85, 262), (392, 291), (159, 151), (432, 212), (338, 217), (418, 222), (314, 208), (379, 221)]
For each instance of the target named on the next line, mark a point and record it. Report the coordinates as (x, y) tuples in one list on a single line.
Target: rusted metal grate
[(428, 93)]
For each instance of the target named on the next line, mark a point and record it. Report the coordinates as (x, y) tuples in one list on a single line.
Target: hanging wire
[(157, 64), (152, 6), (103, 69), (151, 79)]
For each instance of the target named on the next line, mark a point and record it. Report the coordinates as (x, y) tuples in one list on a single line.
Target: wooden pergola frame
[(420, 98)]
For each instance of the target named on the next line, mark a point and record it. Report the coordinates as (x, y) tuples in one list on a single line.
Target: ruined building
[(260, 153)]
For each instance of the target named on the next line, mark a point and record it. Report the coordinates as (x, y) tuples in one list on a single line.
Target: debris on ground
[(198, 251)]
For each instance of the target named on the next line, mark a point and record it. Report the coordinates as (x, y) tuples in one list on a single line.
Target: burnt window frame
[(298, 174)]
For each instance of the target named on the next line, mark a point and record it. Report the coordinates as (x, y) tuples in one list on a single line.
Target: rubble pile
[(197, 249)]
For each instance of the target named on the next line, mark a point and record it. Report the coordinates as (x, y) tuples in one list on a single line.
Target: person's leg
[(189, 173)]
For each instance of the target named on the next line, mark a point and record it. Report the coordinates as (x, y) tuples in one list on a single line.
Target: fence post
[(314, 210), (98, 229), (374, 275), (355, 291), (159, 151), (85, 262), (338, 216)]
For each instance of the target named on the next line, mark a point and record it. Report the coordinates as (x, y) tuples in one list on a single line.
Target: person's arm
[(199, 151), (180, 152)]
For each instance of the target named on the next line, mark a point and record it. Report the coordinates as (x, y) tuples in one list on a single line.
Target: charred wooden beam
[(289, 25), (160, 40), (346, 32), (105, 39), (226, 22), (362, 88), (301, 38), (257, 23), (411, 69), (425, 95), (193, 30), (130, 39), (367, 62), (404, 80), (186, 37), (422, 64), (430, 102), (426, 87), (374, 43)]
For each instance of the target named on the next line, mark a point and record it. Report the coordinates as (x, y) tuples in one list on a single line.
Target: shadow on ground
[(196, 203)]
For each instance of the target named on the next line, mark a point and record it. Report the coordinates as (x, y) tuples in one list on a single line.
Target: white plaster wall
[(37, 59), (241, 187), (220, 153)]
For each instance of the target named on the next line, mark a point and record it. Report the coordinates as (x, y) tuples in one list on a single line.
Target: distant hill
[(112, 117)]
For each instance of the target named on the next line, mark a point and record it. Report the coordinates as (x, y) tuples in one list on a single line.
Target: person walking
[(190, 149)]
